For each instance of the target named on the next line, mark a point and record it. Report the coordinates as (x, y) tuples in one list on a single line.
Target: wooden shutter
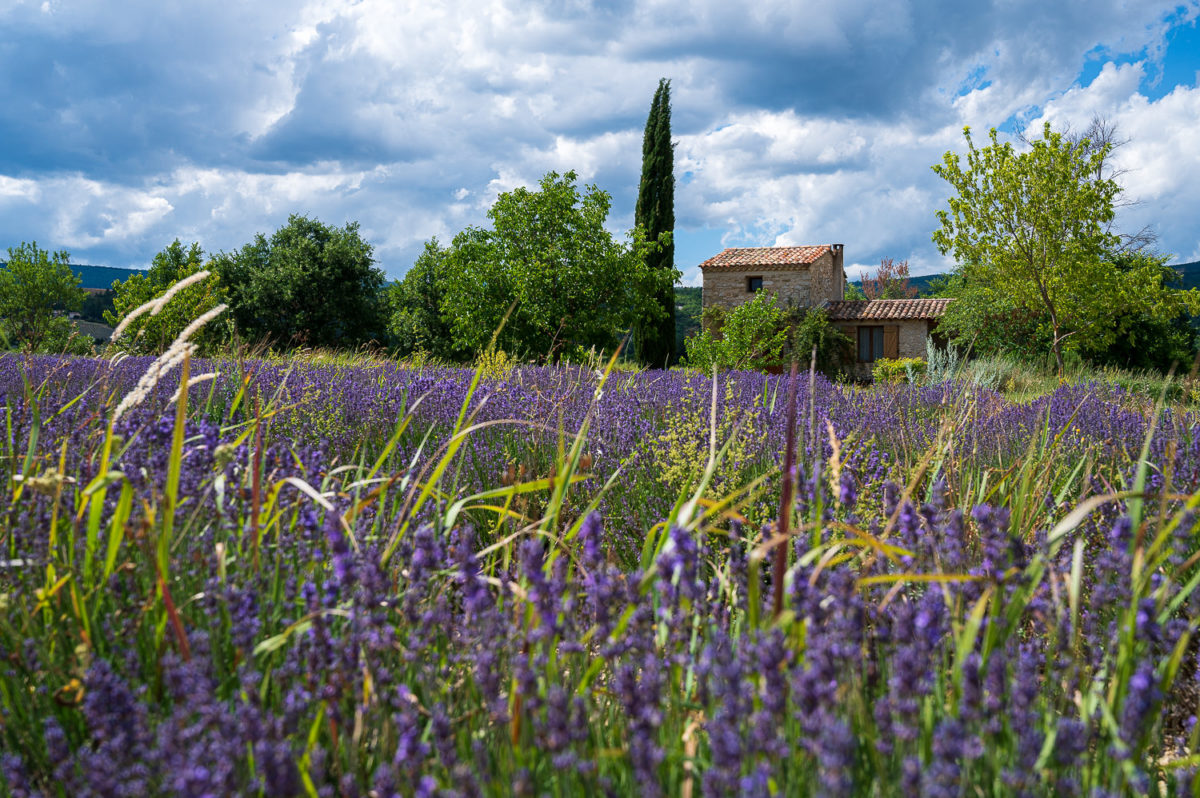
[(850, 331), (891, 341)]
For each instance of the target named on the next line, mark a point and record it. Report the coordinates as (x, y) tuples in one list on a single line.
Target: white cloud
[(797, 122), (1158, 165)]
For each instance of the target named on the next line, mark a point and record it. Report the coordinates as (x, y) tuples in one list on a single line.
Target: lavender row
[(304, 625)]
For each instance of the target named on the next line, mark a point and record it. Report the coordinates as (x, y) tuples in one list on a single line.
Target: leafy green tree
[(309, 284), (835, 350), (994, 326), (148, 334), (655, 215), (1030, 231), (416, 323), (751, 336), (36, 286), (1149, 340), (548, 256), (759, 335)]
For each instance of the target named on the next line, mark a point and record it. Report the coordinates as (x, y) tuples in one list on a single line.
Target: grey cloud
[(237, 115)]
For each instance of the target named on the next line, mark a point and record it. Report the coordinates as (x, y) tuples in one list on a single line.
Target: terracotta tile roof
[(765, 257), (886, 309)]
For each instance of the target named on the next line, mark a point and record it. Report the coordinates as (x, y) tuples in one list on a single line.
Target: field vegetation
[(349, 576)]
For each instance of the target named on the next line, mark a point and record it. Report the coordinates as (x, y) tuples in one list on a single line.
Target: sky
[(124, 126)]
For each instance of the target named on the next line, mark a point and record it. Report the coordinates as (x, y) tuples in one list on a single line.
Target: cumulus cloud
[(125, 126)]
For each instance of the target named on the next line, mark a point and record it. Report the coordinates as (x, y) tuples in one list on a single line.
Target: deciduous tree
[(1031, 230), (759, 334), (415, 303), (35, 285), (550, 258), (308, 284), (148, 334), (890, 281)]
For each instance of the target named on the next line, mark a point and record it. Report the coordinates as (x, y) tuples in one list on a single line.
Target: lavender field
[(361, 579)]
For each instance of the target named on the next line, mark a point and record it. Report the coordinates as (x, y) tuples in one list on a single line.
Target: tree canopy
[(1031, 232), (548, 256), (152, 334), (415, 304), (34, 284), (655, 215), (308, 284)]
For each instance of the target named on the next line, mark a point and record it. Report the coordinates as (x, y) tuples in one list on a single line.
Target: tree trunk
[(1058, 357)]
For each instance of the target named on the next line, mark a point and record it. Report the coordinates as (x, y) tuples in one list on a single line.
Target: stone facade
[(803, 284)]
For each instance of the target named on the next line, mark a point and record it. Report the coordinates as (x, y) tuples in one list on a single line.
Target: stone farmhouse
[(811, 276)]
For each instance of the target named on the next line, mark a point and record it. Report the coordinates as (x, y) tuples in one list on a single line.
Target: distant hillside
[(920, 283), (1190, 273), (101, 278), (98, 278)]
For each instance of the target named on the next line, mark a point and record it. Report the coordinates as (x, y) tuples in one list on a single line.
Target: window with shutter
[(891, 341)]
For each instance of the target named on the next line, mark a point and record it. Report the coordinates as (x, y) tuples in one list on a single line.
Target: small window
[(870, 344), (753, 284)]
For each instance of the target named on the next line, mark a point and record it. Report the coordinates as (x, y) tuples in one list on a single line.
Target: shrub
[(942, 364), (835, 350), (759, 335), (752, 336), (894, 371)]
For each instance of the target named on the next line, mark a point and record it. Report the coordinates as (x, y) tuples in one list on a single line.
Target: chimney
[(838, 269)]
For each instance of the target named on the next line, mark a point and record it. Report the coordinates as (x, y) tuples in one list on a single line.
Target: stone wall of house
[(912, 337), (803, 285), (828, 278), (727, 287)]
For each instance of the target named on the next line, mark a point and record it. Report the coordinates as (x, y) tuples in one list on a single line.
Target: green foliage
[(148, 334), (416, 323), (1150, 339), (1030, 232), (550, 259), (759, 335), (835, 350), (95, 305), (655, 216), (687, 313), (992, 327), (941, 285), (310, 284), (896, 371), (752, 336), (1154, 338), (854, 292), (34, 284), (64, 338)]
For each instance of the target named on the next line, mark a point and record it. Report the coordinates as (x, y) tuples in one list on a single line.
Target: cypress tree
[(655, 213)]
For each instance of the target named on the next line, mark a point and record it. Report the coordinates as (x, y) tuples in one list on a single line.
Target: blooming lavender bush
[(363, 579)]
